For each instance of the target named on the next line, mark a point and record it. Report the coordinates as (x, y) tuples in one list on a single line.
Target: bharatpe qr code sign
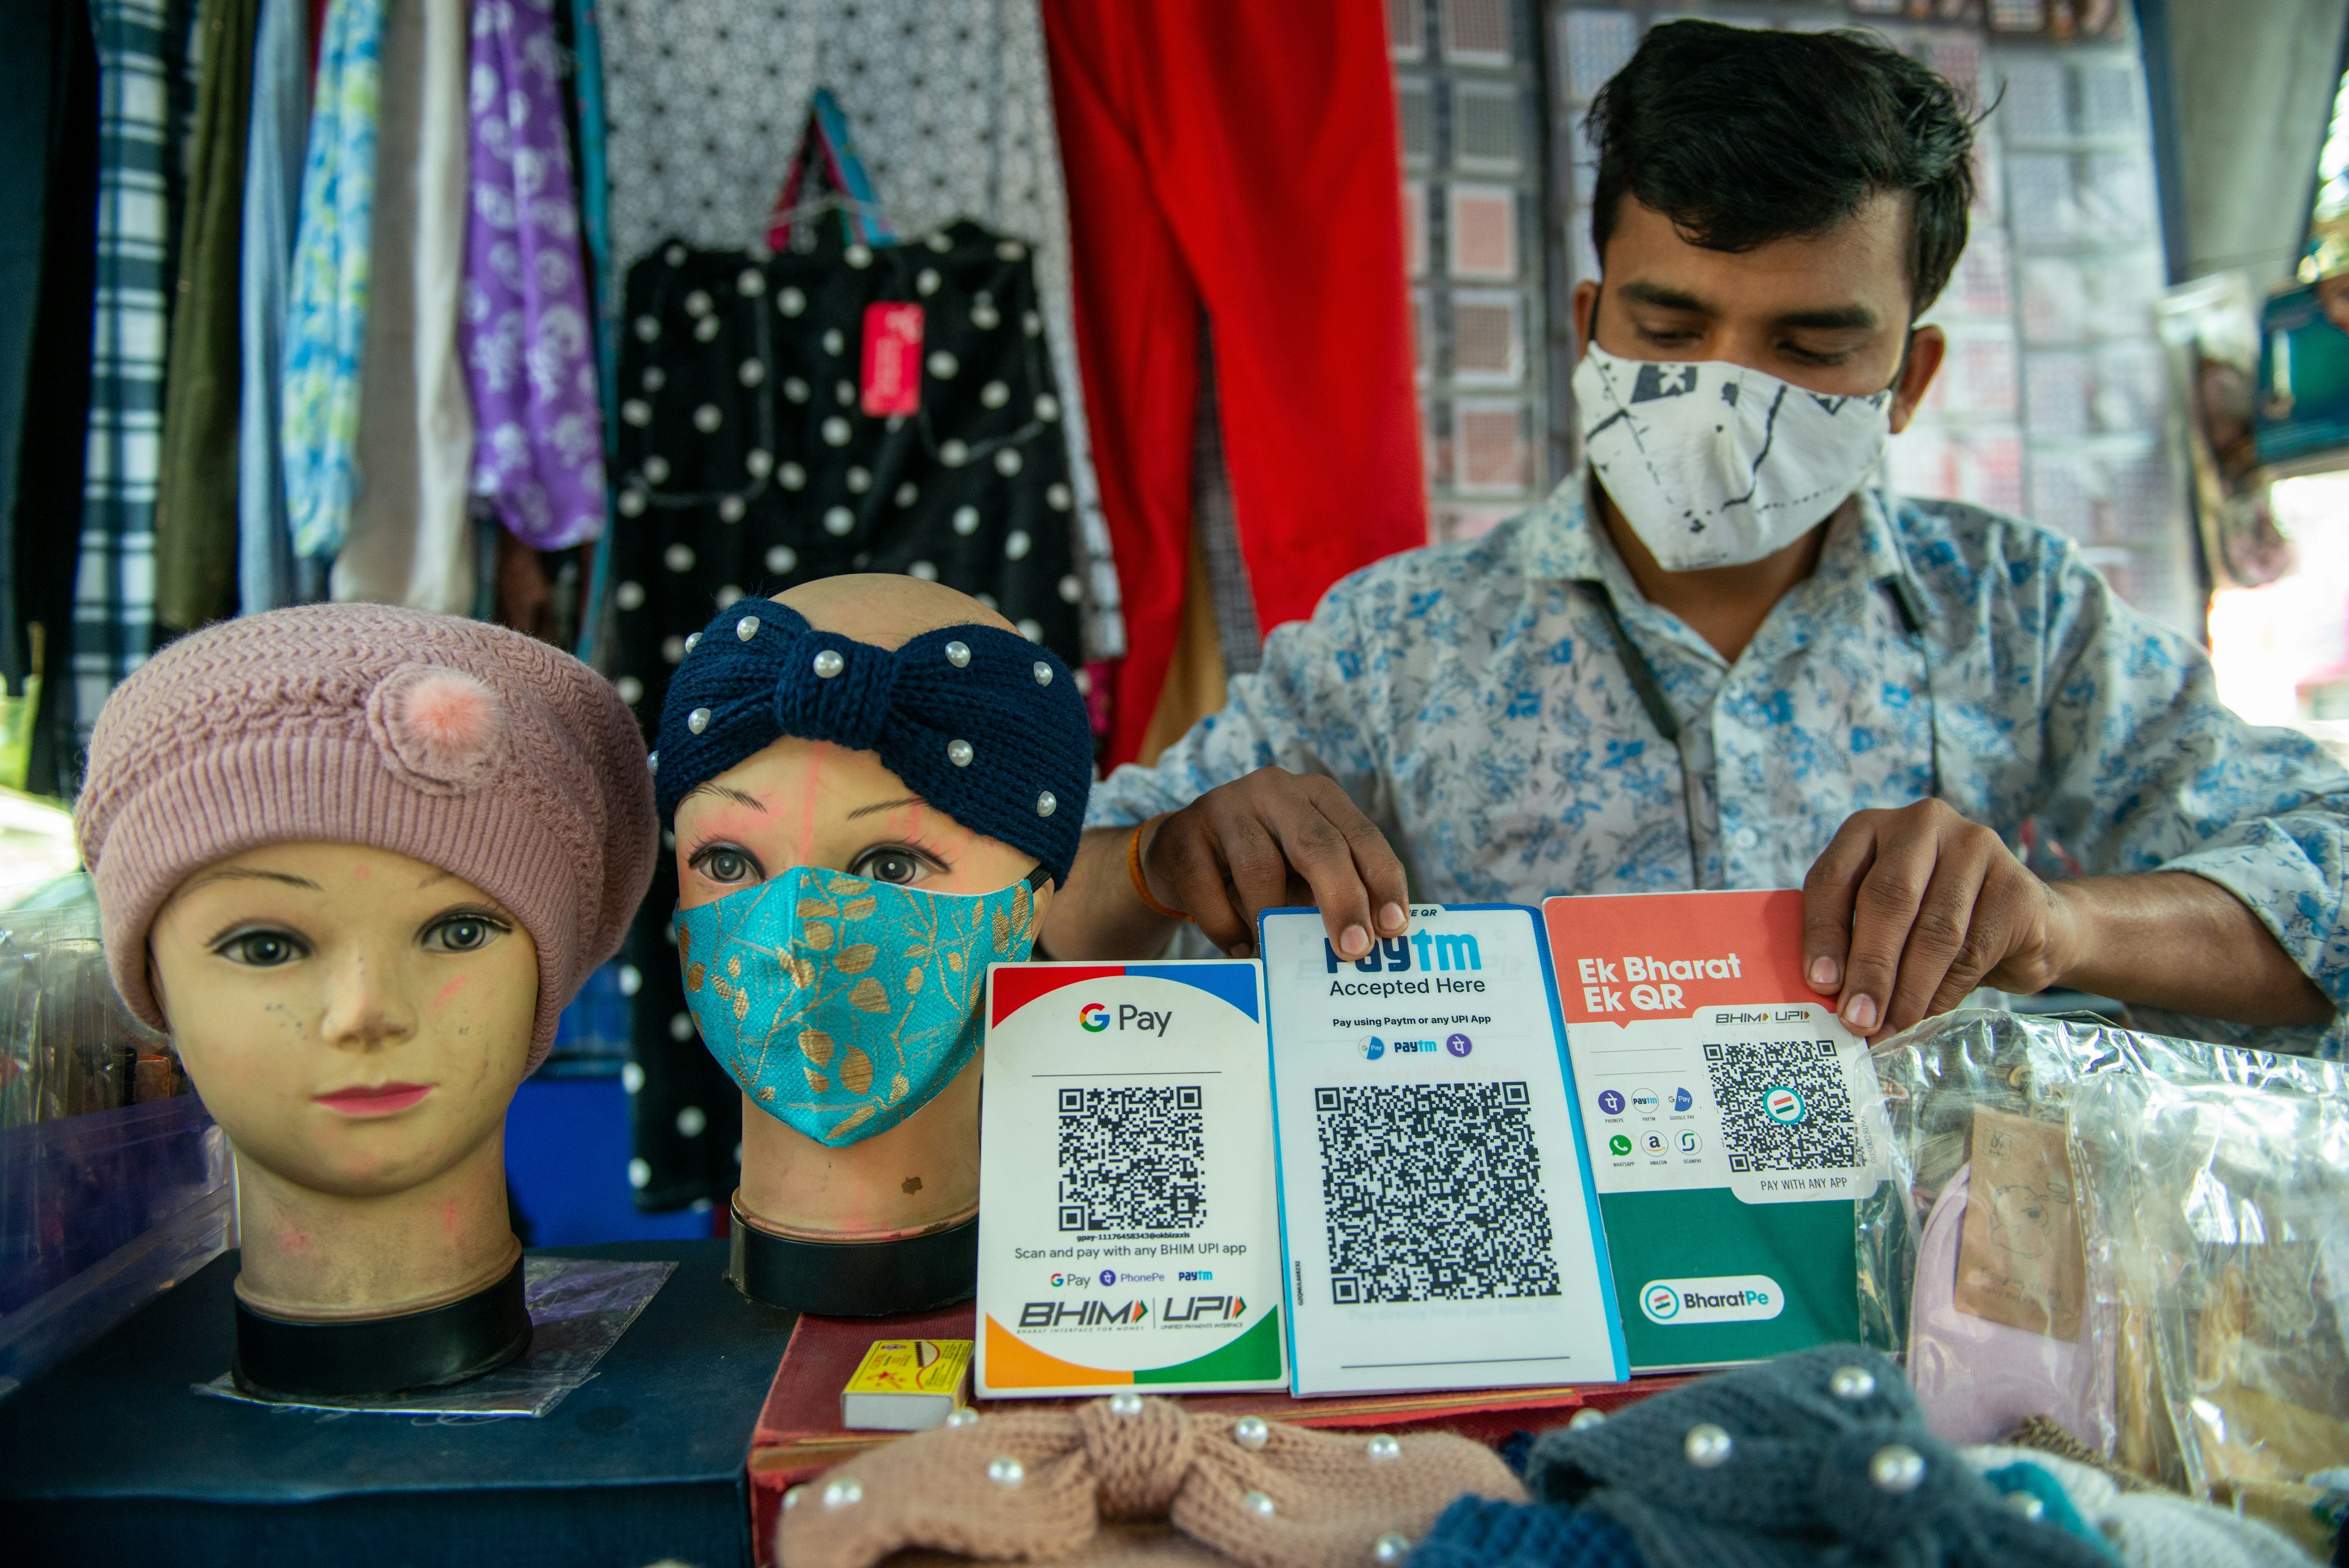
[(1133, 1157), (1433, 1192), (1784, 1105)]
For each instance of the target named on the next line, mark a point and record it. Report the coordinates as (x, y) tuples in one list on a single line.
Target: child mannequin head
[(875, 788), (356, 859)]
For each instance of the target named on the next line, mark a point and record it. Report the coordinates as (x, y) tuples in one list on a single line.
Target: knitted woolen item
[(1037, 1484), (2153, 1527), (1476, 1533), (461, 744), (1774, 1465), (981, 722)]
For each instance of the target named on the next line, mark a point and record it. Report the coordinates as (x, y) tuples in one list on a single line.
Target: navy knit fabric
[(1012, 702), (1477, 1533)]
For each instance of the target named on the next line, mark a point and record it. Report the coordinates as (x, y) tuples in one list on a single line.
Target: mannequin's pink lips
[(374, 1099)]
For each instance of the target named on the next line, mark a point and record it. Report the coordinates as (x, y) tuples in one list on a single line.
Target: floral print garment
[(1471, 699), (525, 332), (326, 324)]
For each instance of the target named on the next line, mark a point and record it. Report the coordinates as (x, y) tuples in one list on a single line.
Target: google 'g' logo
[(1092, 1017)]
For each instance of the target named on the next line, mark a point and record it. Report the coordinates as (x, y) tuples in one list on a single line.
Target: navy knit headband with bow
[(981, 722)]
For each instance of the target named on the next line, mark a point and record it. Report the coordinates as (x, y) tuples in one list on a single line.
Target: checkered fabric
[(114, 585)]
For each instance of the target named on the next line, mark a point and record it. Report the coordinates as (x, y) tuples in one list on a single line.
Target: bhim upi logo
[(1092, 1017)]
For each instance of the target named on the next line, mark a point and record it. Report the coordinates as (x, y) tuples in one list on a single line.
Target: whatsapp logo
[(1619, 1146)]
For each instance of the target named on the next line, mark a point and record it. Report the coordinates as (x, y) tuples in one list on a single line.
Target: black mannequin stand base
[(286, 1358), (855, 1279)]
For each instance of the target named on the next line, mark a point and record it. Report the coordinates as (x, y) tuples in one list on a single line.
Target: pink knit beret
[(458, 743)]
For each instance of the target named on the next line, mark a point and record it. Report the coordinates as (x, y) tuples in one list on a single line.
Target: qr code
[(1783, 1105), (1133, 1159), (1433, 1192)]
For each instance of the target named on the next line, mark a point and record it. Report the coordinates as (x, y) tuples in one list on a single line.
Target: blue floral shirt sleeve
[(1473, 700), (2145, 770), (1292, 712)]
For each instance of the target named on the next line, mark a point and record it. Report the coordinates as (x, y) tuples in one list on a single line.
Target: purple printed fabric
[(530, 357)]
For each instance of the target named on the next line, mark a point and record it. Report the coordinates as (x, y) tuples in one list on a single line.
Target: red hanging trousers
[(1239, 159)]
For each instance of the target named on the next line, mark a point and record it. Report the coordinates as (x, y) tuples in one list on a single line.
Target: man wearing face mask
[(1720, 657)]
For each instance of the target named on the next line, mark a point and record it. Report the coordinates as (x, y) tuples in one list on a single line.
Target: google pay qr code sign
[(1132, 1159)]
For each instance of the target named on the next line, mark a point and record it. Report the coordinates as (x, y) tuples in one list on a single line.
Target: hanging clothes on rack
[(31, 99), (275, 144), (527, 330), (195, 499), (141, 49), (1196, 139), (603, 284), (952, 108), (50, 442), (409, 541), (42, 183), (326, 322)]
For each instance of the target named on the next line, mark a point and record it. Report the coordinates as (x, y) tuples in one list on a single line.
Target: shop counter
[(113, 1458)]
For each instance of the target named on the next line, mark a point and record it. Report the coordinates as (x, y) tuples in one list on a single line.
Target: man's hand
[(1272, 839), (1908, 910)]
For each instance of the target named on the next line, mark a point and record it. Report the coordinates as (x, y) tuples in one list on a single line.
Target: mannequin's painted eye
[(463, 933), (893, 867), (264, 950), (723, 865), (894, 864), (464, 936)]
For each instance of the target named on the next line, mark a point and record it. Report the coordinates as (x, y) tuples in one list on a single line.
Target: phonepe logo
[(1716, 1298), (1093, 1017)]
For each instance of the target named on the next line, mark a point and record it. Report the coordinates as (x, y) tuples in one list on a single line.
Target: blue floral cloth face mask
[(841, 1007)]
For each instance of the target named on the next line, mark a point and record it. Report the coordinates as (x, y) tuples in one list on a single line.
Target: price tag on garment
[(1733, 1122), (1126, 1231), (1437, 1217), (893, 359)]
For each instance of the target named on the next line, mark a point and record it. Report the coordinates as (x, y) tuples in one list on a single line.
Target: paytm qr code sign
[(1716, 1085), (1438, 1215), (1126, 1229)]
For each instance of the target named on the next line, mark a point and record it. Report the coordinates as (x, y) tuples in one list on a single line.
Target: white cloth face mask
[(1713, 464)]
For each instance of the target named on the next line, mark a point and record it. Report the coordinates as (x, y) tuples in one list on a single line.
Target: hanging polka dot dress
[(748, 463)]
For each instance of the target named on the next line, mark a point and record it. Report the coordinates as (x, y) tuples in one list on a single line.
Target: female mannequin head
[(356, 859), (356, 1020), (875, 790)]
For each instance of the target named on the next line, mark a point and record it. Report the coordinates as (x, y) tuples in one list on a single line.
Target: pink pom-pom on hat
[(443, 726), (461, 744)]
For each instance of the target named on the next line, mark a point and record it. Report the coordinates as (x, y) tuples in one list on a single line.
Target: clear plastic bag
[(2223, 1207), (100, 1213), (2074, 1301), (67, 1045)]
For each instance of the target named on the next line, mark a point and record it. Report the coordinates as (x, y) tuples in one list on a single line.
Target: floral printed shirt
[(1472, 698)]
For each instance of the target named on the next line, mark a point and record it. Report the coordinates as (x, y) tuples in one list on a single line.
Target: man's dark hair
[(1741, 137)]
